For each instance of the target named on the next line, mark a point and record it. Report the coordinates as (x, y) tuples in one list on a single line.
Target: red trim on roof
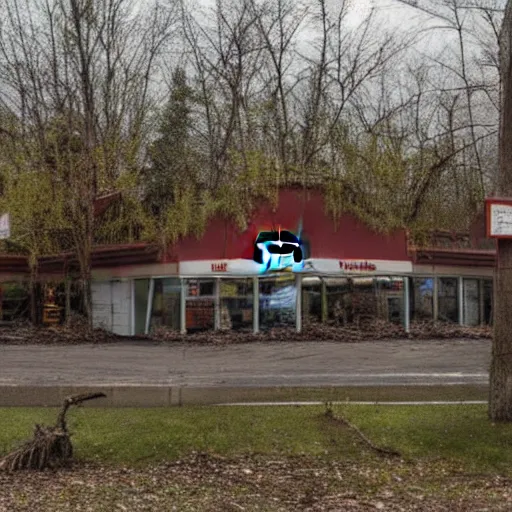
[(104, 257), (103, 202), (454, 257)]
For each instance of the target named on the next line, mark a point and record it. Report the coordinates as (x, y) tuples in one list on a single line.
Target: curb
[(167, 396)]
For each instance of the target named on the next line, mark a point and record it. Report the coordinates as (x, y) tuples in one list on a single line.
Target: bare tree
[(78, 76), (469, 66)]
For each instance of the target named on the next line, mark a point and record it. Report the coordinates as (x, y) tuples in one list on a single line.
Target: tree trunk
[(500, 385), (51, 446), (33, 294), (88, 300), (67, 285)]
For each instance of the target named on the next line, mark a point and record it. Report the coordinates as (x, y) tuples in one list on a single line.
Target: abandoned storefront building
[(292, 265)]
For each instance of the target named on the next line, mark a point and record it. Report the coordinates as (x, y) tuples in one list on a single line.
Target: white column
[(216, 305), (460, 299), (183, 307), (150, 305), (325, 312), (298, 302), (255, 305), (407, 309), (132, 307)]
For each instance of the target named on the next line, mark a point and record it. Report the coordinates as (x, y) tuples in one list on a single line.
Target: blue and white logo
[(278, 251)]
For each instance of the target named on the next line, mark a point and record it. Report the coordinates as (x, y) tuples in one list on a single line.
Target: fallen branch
[(51, 446), (339, 419)]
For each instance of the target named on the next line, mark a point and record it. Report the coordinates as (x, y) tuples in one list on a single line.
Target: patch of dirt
[(371, 330), (28, 335), (204, 482)]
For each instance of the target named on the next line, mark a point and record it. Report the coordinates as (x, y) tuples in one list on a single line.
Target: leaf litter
[(207, 482), (371, 330)]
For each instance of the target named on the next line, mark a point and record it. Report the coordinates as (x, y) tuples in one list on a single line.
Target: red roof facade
[(302, 212)]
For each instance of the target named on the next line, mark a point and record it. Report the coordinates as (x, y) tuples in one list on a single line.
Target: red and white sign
[(357, 266), (498, 217), (329, 266), (350, 266)]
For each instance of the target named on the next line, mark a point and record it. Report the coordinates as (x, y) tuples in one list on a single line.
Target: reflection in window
[(422, 298), (166, 304), (351, 299), (141, 304), (447, 299), (471, 302), (277, 302), (364, 298), (311, 300), (201, 287), (14, 301), (236, 299), (338, 299), (390, 299), (487, 312), (200, 305)]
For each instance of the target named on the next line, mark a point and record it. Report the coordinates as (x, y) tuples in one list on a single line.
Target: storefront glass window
[(141, 304), (487, 309), (390, 299), (166, 304), (311, 300), (14, 301), (338, 299), (200, 306), (422, 298), (364, 298), (447, 299), (236, 300), (277, 301), (351, 299), (471, 302)]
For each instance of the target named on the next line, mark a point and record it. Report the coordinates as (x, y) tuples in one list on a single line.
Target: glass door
[(471, 302)]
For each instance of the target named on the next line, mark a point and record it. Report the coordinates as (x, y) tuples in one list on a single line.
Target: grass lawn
[(460, 433), (449, 455)]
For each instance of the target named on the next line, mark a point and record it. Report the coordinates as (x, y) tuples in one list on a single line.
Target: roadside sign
[(499, 217)]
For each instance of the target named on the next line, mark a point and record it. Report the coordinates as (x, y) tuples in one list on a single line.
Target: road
[(305, 364)]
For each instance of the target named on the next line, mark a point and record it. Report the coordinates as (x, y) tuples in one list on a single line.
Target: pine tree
[(171, 169)]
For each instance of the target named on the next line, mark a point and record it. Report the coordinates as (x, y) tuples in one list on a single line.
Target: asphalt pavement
[(291, 364)]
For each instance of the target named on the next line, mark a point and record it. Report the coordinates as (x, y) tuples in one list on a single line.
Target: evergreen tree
[(171, 170)]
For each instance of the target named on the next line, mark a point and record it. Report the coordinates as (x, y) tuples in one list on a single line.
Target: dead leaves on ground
[(370, 330), (205, 482)]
